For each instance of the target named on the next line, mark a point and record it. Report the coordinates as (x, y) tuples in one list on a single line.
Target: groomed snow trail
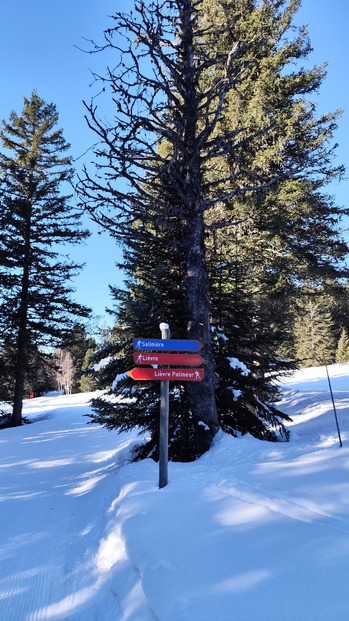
[(251, 531), (58, 559)]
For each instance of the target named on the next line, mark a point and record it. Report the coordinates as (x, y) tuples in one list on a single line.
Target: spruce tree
[(342, 353), (35, 220), (314, 334), (288, 235)]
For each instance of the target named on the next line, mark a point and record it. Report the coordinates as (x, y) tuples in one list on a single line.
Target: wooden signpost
[(147, 353)]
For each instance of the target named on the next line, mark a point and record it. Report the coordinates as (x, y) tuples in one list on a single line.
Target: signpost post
[(147, 352), (164, 416)]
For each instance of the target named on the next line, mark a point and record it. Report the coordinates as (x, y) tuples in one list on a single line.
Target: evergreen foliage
[(339, 306), (38, 377), (35, 220), (233, 163), (88, 382), (155, 290), (314, 334), (288, 235), (342, 353)]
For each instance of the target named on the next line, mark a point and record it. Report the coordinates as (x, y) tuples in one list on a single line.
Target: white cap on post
[(164, 326)]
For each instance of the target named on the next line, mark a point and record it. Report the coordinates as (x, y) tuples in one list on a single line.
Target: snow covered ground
[(253, 531)]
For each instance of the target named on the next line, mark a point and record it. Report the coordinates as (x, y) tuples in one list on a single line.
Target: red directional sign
[(186, 375), (190, 360)]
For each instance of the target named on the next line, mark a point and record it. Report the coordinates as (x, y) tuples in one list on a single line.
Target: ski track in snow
[(302, 511), (51, 557)]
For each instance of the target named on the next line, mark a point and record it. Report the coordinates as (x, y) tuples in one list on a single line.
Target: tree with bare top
[(170, 88), (206, 173)]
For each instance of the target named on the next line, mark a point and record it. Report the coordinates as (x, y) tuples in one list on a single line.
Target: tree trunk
[(21, 359), (20, 362), (19, 380), (201, 395)]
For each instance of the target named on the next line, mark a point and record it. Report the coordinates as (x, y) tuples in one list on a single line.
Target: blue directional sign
[(166, 345)]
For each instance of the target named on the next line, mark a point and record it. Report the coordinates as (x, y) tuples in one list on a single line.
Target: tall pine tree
[(286, 236), (35, 219)]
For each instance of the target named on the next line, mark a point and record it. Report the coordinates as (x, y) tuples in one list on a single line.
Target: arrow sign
[(166, 344), (186, 375), (191, 360)]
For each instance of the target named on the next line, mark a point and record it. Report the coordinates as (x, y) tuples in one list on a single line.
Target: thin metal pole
[(164, 416), (334, 407)]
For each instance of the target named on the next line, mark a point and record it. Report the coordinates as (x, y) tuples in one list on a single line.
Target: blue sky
[(38, 50)]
